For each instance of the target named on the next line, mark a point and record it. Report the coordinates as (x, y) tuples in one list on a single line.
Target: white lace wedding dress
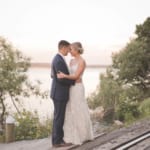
[(77, 125)]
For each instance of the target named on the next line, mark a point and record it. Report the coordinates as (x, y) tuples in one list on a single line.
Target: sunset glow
[(103, 26)]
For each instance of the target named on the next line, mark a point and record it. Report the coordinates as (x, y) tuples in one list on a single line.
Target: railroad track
[(128, 144), (128, 138)]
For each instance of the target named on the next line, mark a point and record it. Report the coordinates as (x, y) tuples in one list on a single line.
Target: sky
[(102, 26)]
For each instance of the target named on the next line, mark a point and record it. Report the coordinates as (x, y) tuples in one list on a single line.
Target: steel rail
[(132, 142)]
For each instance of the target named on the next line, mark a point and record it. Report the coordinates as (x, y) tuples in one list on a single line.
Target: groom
[(60, 93)]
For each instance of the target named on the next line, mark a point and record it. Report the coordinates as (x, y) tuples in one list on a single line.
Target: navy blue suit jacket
[(60, 87)]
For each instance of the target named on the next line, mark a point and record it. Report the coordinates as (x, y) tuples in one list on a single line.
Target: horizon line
[(47, 65)]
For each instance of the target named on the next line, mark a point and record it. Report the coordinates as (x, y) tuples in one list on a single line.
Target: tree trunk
[(3, 111)]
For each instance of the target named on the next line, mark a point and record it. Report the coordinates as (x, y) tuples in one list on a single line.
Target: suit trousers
[(58, 122)]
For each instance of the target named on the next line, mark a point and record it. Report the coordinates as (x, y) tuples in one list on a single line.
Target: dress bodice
[(73, 68)]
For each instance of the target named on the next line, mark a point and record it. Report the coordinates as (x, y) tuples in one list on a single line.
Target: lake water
[(44, 107)]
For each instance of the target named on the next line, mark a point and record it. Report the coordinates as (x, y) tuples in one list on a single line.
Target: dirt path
[(41, 144)]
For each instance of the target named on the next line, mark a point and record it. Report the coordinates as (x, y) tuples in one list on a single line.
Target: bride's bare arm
[(76, 75)]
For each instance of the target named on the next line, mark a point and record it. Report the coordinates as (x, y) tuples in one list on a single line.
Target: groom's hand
[(79, 80), (60, 75)]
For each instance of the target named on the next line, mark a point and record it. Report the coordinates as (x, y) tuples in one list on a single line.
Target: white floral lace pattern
[(77, 125)]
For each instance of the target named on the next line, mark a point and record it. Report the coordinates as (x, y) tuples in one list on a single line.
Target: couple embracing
[(71, 124)]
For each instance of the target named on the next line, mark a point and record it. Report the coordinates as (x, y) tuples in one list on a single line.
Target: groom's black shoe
[(62, 144), (58, 145), (68, 144)]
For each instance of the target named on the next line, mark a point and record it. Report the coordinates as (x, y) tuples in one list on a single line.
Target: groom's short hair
[(63, 43)]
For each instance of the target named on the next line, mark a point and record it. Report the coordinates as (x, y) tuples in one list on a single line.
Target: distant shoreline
[(47, 65)]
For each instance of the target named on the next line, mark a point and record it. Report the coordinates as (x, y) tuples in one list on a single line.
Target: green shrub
[(144, 107), (129, 100), (29, 126), (93, 100), (127, 110)]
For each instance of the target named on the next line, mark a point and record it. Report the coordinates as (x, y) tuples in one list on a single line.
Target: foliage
[(109, 99), (13, 78), (127, 110), (144, 107), (29, 126), (102, 96), (133, 63), (127, 81), (143, 31), (93, 100)]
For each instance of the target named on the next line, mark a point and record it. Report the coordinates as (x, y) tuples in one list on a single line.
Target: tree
[(14, 82), (143, 31), (127, 81), (133, 62)]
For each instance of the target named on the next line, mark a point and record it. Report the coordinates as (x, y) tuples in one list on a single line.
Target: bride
[(77, 125)]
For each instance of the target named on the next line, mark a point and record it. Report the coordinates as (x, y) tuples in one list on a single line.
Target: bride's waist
[(79, 80)]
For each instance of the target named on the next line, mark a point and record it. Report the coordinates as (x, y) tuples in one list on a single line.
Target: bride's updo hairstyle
[(78, 46)]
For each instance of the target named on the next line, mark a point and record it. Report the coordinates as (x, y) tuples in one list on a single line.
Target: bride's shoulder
[(82, 61)]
